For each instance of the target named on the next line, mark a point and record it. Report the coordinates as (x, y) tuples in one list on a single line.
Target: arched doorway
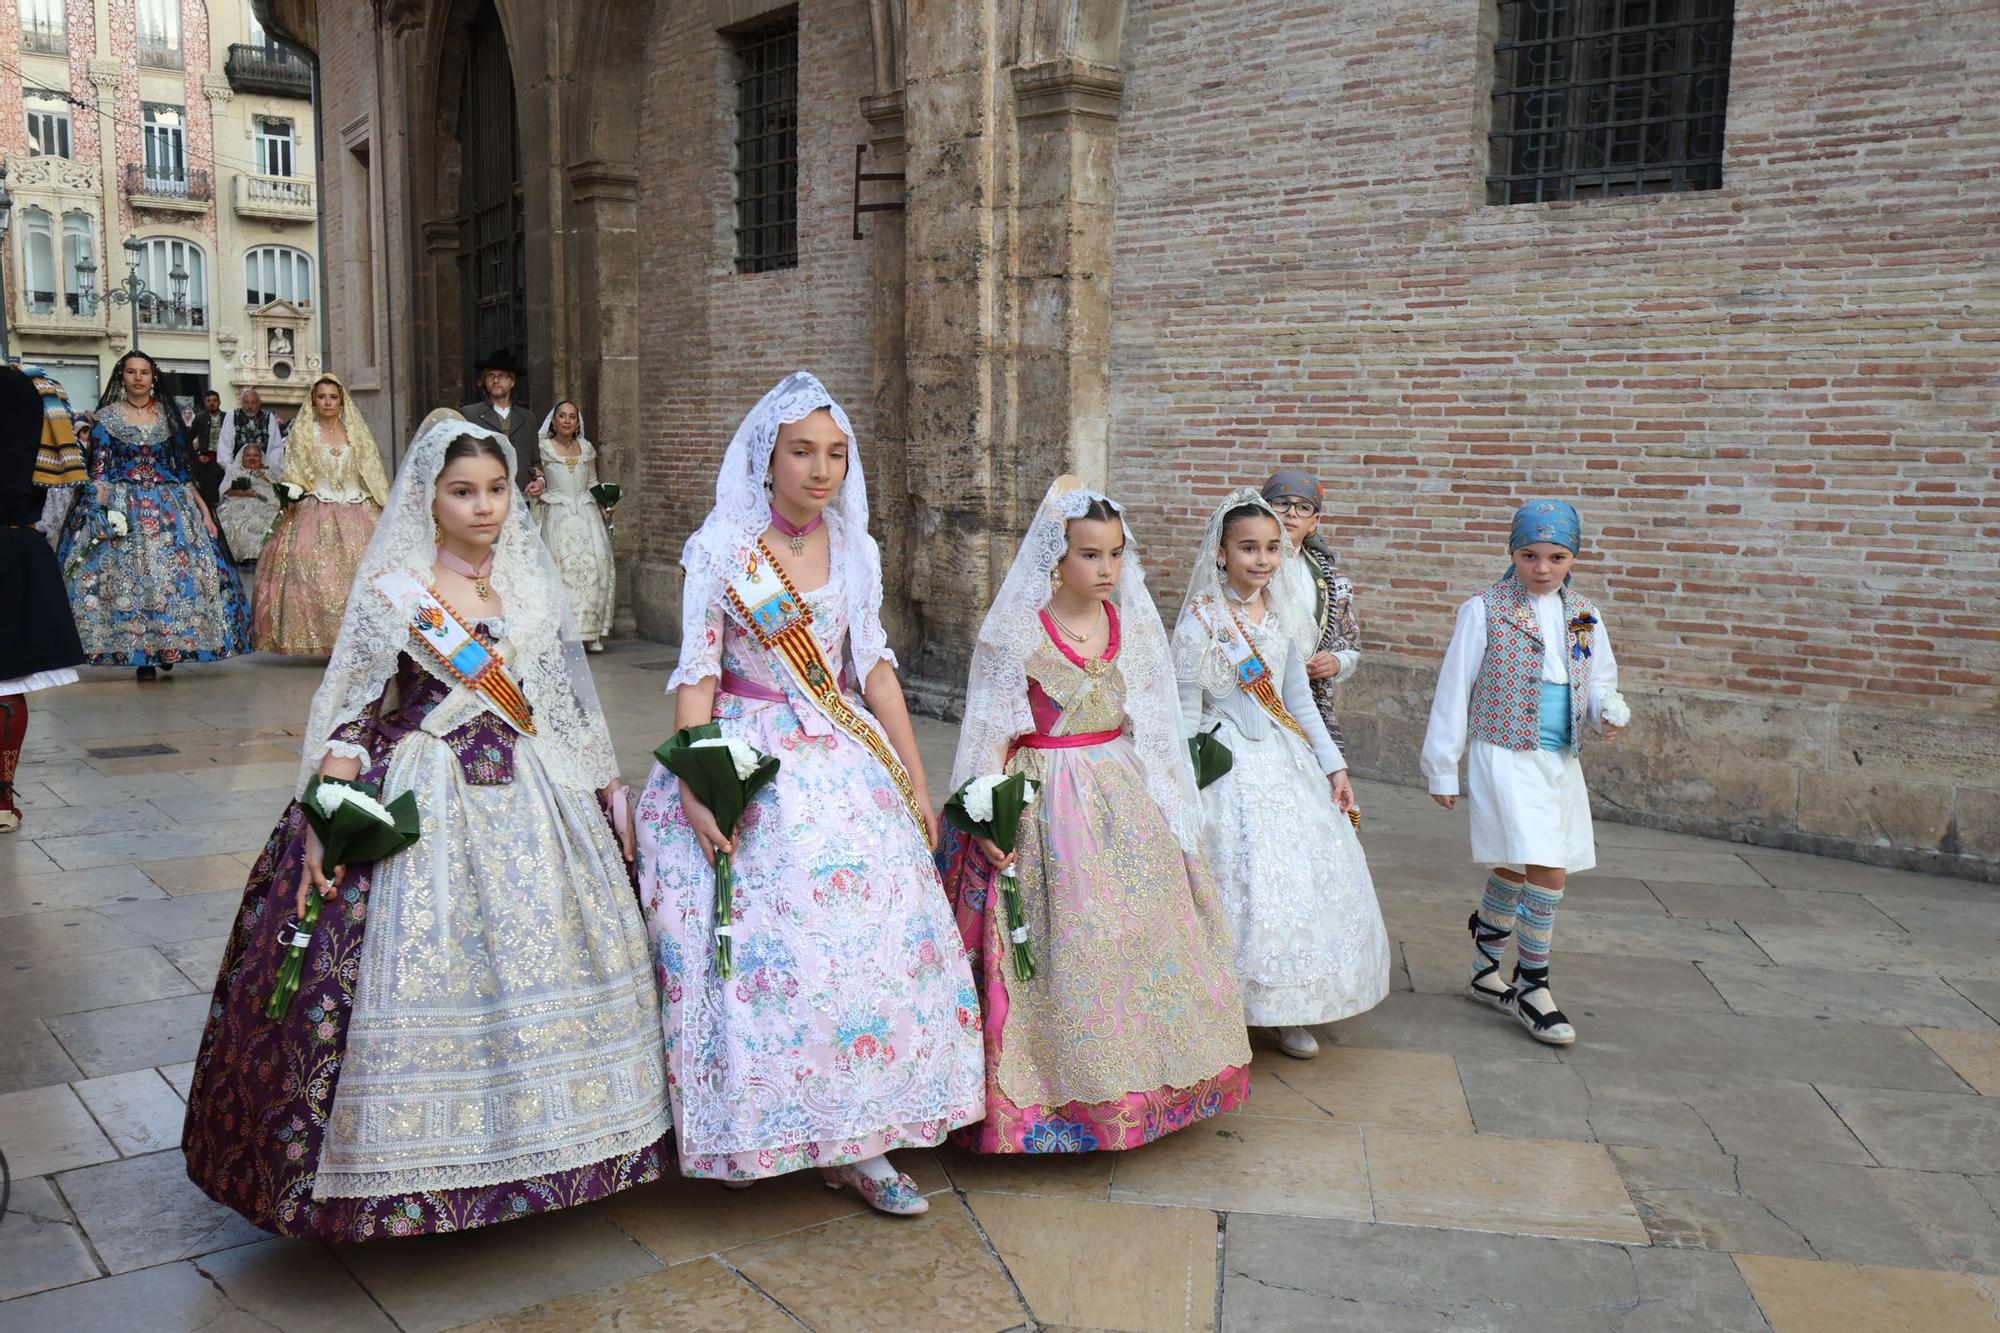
[(493, 284)]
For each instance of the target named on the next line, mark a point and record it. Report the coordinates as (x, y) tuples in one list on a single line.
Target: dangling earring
[(1055, 580), (437, 533)]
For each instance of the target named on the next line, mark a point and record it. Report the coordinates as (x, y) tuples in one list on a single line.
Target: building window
[(157, 261), (166, 149), (159, 25), (1593, 98), (42, 27), (48, 125), (767, 147), (278, 273), (38, 261), (274, 146), (79, 242)]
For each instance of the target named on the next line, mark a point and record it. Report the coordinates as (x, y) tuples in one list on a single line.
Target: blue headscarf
[(1545, 521)]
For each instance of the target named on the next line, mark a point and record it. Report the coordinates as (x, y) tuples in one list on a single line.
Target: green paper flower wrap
[(353, 827), (725, 776), (1211, 757), (992, 807), (607, 495)]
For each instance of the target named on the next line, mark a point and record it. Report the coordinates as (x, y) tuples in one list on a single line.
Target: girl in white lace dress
[(572, 525), (1310, 943)]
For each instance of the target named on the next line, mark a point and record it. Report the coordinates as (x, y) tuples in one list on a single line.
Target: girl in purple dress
[(476, 1037)]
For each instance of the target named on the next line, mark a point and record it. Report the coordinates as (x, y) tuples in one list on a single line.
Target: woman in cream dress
[(573, 527)]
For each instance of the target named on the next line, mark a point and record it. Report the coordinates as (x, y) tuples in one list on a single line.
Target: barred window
[(767, 146), (1593, 98), (159, 30)]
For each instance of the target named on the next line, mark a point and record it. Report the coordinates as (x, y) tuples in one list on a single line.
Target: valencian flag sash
[(773, 611), (456, 648), (1251, 672)]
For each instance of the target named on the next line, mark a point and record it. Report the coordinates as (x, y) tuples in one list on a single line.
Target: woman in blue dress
[(148, 582)]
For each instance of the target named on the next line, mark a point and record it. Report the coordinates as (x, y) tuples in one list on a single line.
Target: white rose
[(1616, 711), (115, 520), (330, 796), (978, 797), (741, 757)]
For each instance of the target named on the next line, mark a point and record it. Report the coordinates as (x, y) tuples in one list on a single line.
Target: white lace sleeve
[(1451, 707), (347, 750), (701, 650)]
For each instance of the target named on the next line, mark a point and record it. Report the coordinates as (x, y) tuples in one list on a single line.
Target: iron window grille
[(767, 147), (1595, 98)]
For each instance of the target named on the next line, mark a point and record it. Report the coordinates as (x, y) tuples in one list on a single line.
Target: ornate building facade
[(1720, 272), (181, 126)]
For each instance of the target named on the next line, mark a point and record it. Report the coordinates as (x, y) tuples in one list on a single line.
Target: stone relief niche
[(278, 358)]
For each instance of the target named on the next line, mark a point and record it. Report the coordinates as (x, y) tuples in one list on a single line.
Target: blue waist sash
[(1554, 717)]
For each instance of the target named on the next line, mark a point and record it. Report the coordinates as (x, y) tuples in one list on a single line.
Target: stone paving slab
[(1284, 1275), (1802, 1297), (1587, 979), (1713, 1115), (1893, 1000), (1812, 1210)]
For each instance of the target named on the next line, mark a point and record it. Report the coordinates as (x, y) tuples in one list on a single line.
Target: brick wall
[(714, 340), (1774, 403)]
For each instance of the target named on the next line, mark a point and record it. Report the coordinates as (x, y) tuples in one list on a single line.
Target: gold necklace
[(1074, 636)]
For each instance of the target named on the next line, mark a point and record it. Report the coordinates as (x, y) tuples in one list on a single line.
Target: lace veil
[(547, 429), (742, 511), (303, 443), (543, 649), (996, 695), (1197, 655)]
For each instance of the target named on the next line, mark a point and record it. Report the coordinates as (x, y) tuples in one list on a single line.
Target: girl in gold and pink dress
[(1130, 1027)]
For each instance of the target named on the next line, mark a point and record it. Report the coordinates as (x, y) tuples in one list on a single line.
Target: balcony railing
[(279, 198), (267, 69), (53, 315), (159, 55), (47, 39), (189, 192)]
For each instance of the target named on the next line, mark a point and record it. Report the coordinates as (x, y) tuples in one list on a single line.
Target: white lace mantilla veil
[(996, 693), (723, 542), (547, 430), (543, 649), (1196, 653)]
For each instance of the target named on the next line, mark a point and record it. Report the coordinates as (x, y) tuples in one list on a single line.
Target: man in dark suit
[(498, 374)]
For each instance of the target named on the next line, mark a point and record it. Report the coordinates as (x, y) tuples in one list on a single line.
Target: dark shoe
[(148, 673)]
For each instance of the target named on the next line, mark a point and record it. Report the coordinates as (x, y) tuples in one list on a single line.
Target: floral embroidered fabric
[(1131, 1027)]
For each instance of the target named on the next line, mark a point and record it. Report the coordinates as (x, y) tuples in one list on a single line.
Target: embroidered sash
[(1251, 672), (773, 611), (455, 648)]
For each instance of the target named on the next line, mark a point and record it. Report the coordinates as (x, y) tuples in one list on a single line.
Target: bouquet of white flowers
[(353, 826), (991, 807), (108, 525), (724, 775), (288, 493), (1616, 711)]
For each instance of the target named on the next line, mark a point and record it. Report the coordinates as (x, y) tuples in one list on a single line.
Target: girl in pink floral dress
[(848, 1028)]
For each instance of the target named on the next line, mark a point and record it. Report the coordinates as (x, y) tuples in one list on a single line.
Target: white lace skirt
[(1310, 943), (506, 1024)]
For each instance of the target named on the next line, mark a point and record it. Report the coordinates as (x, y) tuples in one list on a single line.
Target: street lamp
[(6, 217), (132, 289)]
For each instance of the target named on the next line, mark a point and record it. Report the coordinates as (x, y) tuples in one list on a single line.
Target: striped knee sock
[(1538, 922), (1496, 916)]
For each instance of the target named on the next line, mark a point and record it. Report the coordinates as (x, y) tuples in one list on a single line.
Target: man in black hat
[(498, 374)]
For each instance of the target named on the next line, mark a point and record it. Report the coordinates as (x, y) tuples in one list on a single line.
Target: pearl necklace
[(477, 575)]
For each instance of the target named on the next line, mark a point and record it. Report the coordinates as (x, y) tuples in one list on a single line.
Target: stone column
[(1066, 118), (604, 251)]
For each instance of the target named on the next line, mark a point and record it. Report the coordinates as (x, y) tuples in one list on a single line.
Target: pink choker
[(797, 535)]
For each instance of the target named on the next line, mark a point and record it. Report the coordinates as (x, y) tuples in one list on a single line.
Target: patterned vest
[(1507, 694)]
